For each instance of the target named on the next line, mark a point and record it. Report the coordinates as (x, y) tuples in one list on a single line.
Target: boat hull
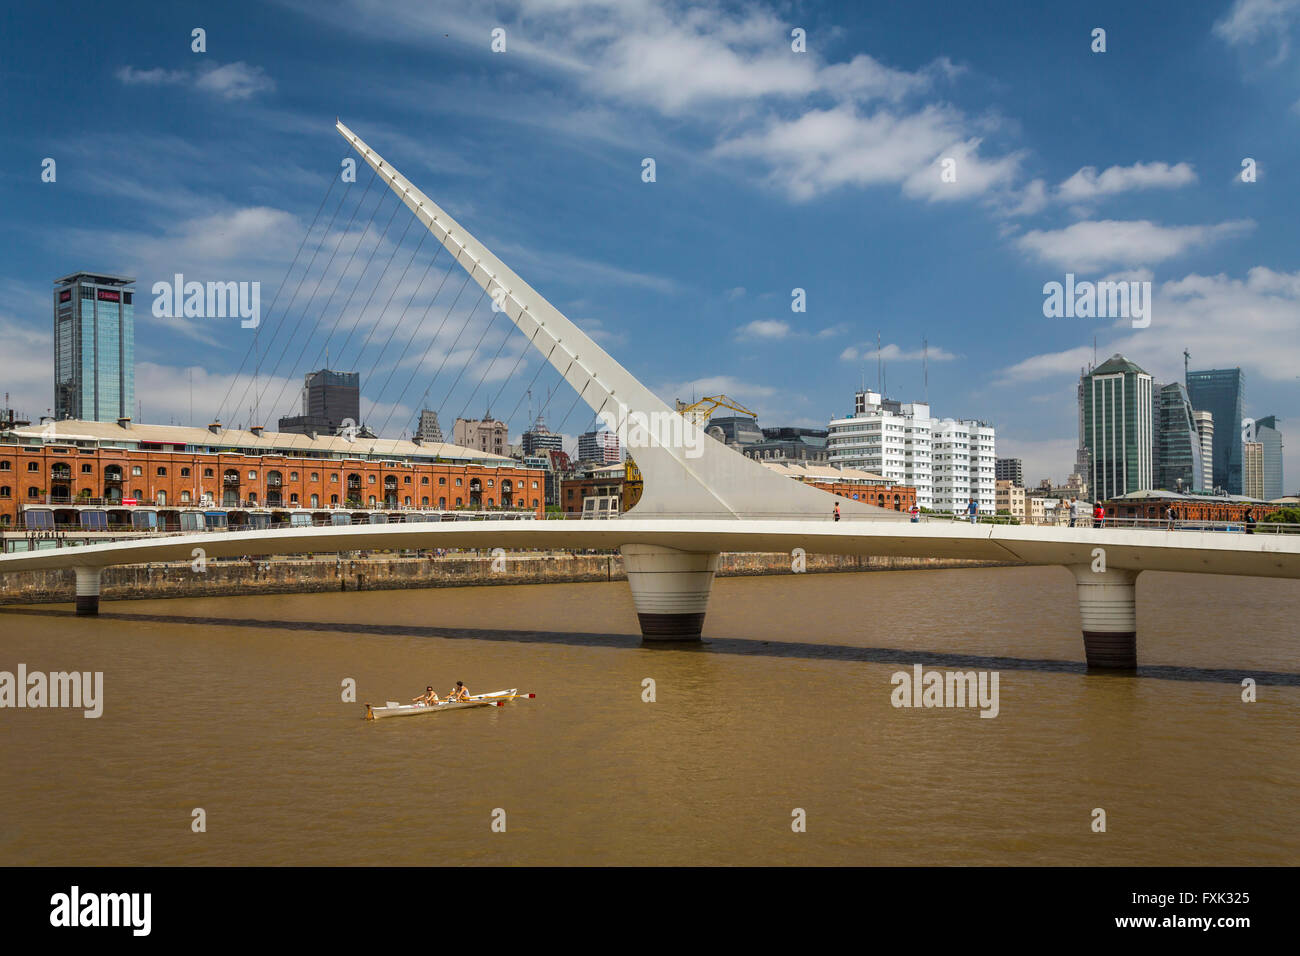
[(423, 710)]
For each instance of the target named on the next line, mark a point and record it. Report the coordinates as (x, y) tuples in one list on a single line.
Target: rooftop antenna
[(1094, 351), (925, 369), (1187, 357), (880, 367)]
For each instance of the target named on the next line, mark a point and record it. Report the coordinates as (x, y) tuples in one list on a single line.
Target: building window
[(407, 501), (406, 480), (136, 471), (252, 476), (315, 476), (315, 501), (334, 479), (458, 501), (424, 502), (293, 498), (185, 497), (208, 473), (5, 466), (293, 476), (458, 483), (185, 472), (442, 502), (424, 480), (370, 479), (31, 492), (33, 466), (85, 467), (5, 492), (162, 472), (334, 500)]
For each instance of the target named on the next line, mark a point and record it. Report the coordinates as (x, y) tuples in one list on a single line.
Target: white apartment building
[(899, 440)]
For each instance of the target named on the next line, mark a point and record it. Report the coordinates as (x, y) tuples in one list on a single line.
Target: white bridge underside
[(1134, 550)]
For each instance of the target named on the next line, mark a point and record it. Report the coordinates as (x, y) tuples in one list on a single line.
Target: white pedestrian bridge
[(702, 498), (670, 562)]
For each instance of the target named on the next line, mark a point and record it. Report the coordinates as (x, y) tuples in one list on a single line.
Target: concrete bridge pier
[(88, 590), (670, 589), (1108, 607)]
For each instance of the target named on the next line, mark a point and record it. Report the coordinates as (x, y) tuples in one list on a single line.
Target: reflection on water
[(234, 705)]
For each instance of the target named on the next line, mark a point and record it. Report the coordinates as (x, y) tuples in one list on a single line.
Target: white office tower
[(965, 465), (887, 438), (900, 442)]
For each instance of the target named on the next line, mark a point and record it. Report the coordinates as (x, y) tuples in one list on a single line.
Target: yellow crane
[(699, 413)]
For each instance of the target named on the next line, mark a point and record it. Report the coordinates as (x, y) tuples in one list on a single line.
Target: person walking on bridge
[(915, 512), (973, 510), (837, 511), (1250, 521), (1076, 511)]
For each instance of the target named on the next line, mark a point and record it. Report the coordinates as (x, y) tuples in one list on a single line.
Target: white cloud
[(234, 81), (893, 353), (1087, 183), (1256, 315), (130, 76), (231, 81), (764, 329), (1252, 20), (1093, 245)]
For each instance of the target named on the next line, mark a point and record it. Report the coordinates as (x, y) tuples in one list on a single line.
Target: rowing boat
[(392, 708)]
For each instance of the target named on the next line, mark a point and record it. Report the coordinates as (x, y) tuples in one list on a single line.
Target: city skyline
[(186, 193)]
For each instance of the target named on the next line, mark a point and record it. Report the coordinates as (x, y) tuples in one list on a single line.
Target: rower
[(459, 692), (428, 697)]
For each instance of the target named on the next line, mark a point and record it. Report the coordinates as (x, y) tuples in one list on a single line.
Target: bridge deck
[(1272, 555)]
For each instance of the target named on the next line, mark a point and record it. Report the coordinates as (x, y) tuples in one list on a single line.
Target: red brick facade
[(54, 474)]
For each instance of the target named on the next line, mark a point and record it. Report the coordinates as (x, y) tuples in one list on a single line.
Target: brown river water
[(234, 706)]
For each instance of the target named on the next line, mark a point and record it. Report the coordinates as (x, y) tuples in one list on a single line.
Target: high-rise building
[(1117, 427), (1252, 469), (1205, 432), (1176, 448), (947, 461), (485, 434), (539, 439), (1270, 438), (963, 465), (94, 347), (330, 401), (428, 431), (1012, 470), (600, 447), (1222, 393)]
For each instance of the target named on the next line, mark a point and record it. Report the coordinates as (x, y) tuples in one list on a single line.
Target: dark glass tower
[(94, 347), (1222, 393), (1176, 457)]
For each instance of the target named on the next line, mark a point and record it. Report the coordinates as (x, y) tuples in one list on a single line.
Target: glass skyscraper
[(1222, 392), (1117, 429), (94, 347), (1268, 435), (1176, 456)]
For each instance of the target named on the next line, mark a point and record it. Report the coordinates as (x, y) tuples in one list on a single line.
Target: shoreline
[(239, 578)]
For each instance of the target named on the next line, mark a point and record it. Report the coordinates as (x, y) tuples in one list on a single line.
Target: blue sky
[(775, 170)]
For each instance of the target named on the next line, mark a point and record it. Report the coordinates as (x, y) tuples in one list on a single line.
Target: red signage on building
[(65, 295), (108, 295), (130, 501)]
